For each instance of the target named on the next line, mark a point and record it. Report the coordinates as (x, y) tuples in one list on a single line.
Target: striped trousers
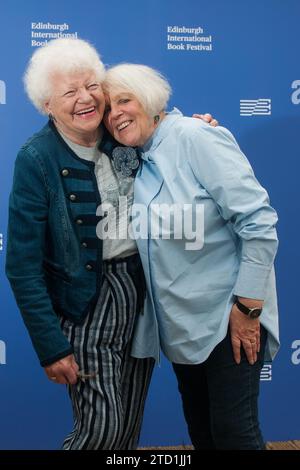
[(108, 400)]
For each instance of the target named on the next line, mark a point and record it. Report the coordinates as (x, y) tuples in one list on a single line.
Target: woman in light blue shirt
[(206, 236)]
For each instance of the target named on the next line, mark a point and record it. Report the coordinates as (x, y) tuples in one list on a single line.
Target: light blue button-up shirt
[(191, 288)]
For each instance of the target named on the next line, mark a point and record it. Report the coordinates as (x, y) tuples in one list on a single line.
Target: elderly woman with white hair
[(79, 295), (211, 302)]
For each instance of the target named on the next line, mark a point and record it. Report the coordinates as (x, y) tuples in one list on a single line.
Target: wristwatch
[(250, 312)]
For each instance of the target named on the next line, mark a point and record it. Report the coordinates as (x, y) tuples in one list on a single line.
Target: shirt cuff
[(252, 281)]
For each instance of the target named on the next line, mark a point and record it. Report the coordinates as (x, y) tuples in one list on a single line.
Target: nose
[(115, 111), (84, 96)]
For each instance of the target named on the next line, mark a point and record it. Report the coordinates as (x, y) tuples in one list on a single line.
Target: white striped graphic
[(261, 106), (266, 372)]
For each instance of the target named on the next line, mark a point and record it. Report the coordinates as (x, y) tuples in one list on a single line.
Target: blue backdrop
[(238, 60)]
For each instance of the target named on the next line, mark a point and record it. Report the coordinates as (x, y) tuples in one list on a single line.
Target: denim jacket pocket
[(57, 283)]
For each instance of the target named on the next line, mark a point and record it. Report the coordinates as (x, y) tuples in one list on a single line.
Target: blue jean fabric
[(220, 399)]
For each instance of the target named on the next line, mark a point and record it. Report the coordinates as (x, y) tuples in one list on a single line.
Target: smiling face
[(77, 106), (126, 119)]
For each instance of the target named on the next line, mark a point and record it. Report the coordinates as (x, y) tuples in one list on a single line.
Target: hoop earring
[(156, 119)]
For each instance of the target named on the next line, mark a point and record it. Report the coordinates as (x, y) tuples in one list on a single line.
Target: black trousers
[(220, 399)]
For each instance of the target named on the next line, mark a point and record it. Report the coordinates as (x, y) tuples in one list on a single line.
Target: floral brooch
[(126, 160)]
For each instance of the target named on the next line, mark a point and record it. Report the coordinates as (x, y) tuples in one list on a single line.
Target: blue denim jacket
[(54, 258)]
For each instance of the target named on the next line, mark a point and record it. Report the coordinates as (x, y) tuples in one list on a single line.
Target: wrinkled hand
[(63, 371), (207, 118), (245, 332)]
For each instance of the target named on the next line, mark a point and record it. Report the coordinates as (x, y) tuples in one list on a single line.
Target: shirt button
[(84, 244), (88, 267), (79, 221), (72, 197), (65, 172)]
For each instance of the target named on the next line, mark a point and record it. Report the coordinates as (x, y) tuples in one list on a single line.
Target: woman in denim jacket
[(79, 296)]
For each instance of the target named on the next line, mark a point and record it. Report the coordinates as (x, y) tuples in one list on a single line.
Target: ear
[(47, 107)]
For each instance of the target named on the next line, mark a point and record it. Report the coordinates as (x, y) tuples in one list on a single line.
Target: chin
[(123, 141), (130, 142), (128, 139)]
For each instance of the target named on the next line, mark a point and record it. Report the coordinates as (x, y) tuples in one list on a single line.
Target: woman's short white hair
[(148, 85), (66, 55)]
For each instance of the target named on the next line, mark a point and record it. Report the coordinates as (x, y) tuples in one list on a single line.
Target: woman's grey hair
[(66, 55), (148, 85)]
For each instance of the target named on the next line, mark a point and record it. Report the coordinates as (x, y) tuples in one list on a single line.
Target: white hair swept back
[(148, 85), (66, 55)]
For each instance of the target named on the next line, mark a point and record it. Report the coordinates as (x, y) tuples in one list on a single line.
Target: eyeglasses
[(83, 376)]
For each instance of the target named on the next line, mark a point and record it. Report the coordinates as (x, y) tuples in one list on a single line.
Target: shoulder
[(200, 133), (39, 144), (200, 143), (36, 154), (207, 149)]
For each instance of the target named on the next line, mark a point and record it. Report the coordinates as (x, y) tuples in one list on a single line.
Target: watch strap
[(256, 311)]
